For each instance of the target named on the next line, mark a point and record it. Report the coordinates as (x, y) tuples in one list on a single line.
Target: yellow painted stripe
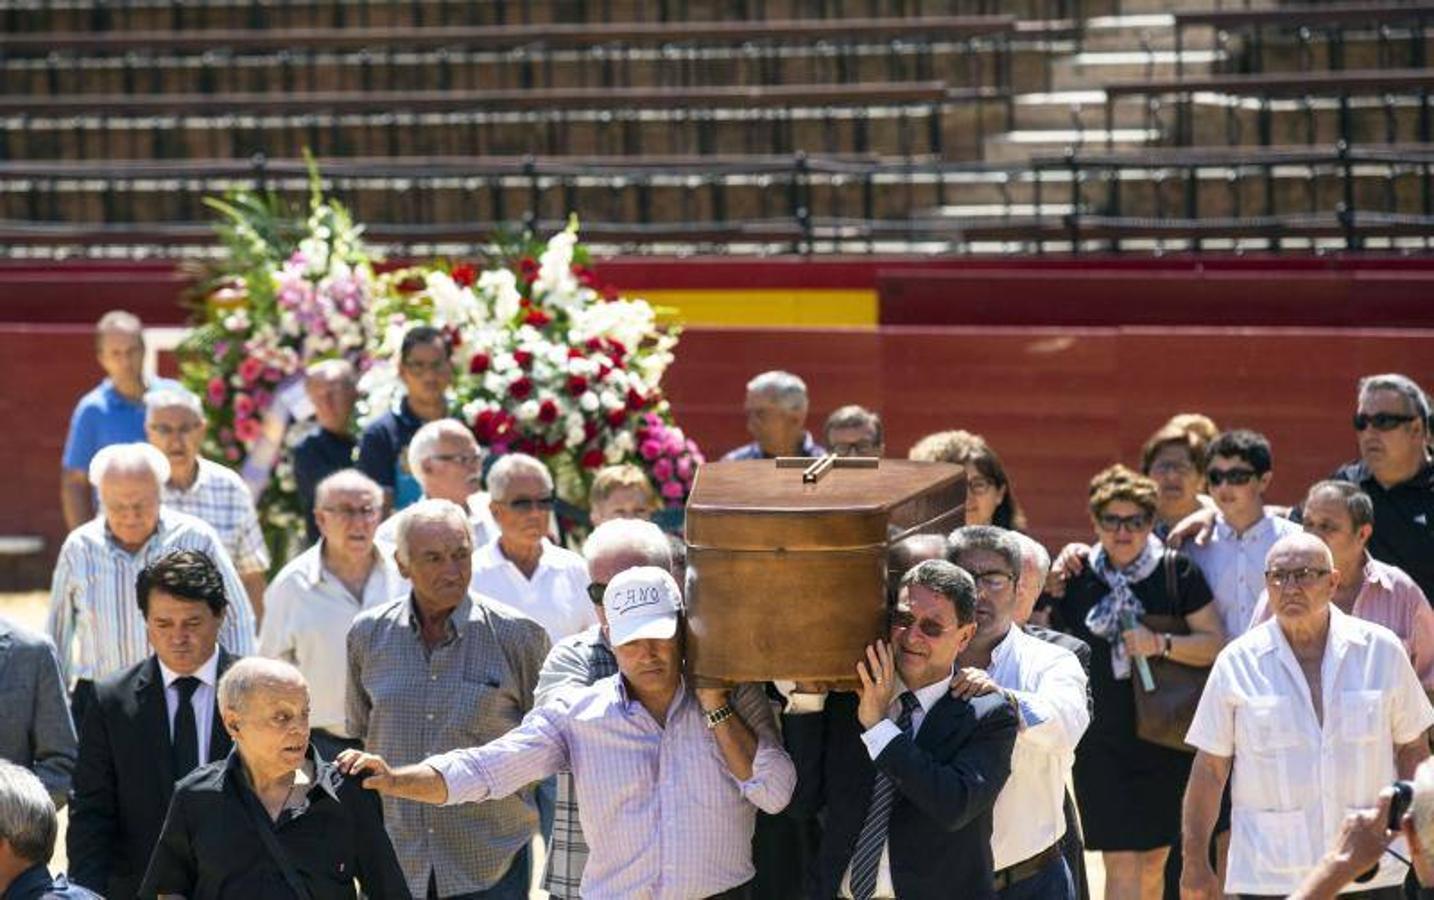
[(774, 307)]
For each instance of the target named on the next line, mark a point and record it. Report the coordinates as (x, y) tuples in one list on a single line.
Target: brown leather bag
[(1163, 716)]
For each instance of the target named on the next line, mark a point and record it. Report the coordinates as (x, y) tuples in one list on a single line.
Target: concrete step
[(1091, 69), (1075, 109), (1017, 146)]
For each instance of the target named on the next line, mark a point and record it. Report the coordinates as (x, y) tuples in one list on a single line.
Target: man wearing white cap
[(665, 817)]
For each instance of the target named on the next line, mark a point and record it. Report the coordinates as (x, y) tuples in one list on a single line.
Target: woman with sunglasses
[(1129, 791), (990, 499)]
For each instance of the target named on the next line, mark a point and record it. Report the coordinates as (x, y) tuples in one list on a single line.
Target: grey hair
[(27, 814), (986, 537), (950, 581), (853, 416), (128, 457), (1356, 502), (253, 673), (641, 538), (1401, 384), (509, 466), (787, 389), (351, 479), (1300, 541), (333, 370), (171, 398), (1035, 553), (424, 443), (427, 510), (1421, 807)]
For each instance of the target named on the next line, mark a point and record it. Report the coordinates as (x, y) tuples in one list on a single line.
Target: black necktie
[(866, 858), (185, 744)]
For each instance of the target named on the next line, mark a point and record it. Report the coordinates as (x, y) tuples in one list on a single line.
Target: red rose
[(537, 318), (590, 430), (616, 349), (635, 401), (522, 358), (464, 275), (528, 269), (455, 337), (547, 411), (411, 285), (520, 389), (577, 384), (593, 345), (593, 459), (574, 353), (617, 417), (478, 364)]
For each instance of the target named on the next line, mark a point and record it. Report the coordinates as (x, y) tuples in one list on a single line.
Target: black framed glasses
[(854, 448), (904, 618), (1113, 523), (1235, 477), (529, 504), (596, 589), (994, 581), (1381, 421)]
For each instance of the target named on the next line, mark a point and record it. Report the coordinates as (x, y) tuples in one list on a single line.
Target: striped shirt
[(95, 620), (407, 701), (576, 662), (221, 498), (664, 816)]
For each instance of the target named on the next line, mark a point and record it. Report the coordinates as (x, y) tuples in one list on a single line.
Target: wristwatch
[(1169, 642), (719, 715)]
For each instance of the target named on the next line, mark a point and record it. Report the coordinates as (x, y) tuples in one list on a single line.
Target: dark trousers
[(1073, 849), (1051, 883), (782, 847), (512, 886), (740, 892), (80, 699)]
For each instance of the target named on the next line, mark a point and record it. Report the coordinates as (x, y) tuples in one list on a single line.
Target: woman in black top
[(273, 820), (1129, 791)]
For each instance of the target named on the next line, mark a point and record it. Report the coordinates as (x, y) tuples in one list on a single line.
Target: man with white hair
[(111, 413), (521, 567), (316, 596), (28, 825), (776, 407), (1314, 712), (174, 423), (448, 464), (440, 669), (332, 389), (94, 620)]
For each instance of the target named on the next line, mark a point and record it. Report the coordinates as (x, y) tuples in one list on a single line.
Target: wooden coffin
[(787, 579)]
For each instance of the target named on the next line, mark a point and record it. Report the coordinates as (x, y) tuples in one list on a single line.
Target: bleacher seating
[(770, 125)]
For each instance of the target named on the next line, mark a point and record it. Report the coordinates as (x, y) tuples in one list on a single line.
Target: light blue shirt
[(104, 416), (1234, 567)]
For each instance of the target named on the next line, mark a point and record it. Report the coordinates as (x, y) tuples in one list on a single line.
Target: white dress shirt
[(1295, 776), (307, 612), (202, 701), (556, 597), (1234, 566), (1049, 685), (480, 518)]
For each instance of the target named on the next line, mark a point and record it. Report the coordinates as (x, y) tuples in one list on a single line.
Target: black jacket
[(124, 779), (947, 780), (212, 849)]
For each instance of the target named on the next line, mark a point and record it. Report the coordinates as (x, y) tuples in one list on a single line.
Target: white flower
[(625, 441), (613, 453), (609, 400), (575, 435), (588, 401), (500, 286), (527, 411), (238, 320)]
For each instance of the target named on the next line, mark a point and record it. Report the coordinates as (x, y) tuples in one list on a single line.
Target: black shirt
[(1403, 521), (211, 848), (35, 883), (316, 457), (383, 453)]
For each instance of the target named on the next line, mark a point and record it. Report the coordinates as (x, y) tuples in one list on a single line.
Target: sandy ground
[(29, 610)]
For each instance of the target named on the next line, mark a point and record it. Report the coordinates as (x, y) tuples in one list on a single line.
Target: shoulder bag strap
[(1172, 589), (265, 827)]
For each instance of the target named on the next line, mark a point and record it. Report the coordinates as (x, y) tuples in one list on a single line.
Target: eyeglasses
[(854, 448), (463, 459), (1304, 576), (980, 486), (1234, 477), (596, 590), (165, 431), (993, 581), (528, 504), (904, 618), (1171, 467), (427, 368), (351, 512), (1382, 421), (1113, 523)]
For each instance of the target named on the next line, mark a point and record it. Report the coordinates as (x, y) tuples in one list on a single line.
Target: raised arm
[(753, 751)]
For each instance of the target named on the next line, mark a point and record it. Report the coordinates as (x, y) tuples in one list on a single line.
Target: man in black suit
[(149, 726), (905, 773)]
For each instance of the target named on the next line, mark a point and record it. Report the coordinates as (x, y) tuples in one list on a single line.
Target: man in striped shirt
[(174, 423), (95, 620)]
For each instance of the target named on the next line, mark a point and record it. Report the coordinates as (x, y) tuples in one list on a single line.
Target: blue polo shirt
[(104, 416), (383, 453)]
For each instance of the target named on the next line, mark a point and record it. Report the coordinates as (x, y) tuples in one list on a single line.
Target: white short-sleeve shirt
[(556, 597), (1294, 777)]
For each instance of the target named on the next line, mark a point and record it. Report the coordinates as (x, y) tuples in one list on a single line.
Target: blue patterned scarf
[(1105, 618)]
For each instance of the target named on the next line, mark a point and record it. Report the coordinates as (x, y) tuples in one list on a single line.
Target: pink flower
[(217, 391), (243, 407), (662, 469), (672, 490), (250, 369), (684, 468), (231, 454), (247, 430), (650, 449)]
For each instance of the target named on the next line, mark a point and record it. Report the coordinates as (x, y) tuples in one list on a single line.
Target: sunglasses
[(1381, 421), (1304, 577), (904, 618), (596, 589), (1235, 477), (528, 504), (1113, 523)]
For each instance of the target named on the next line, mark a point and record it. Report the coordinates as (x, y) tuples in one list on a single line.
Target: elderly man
[(582, 660), (854, 431), (437, 670), (620, 492), (94, 621), (111, 413), (906, 789), (1046, 686), (521, 568), (668, 780), (1314, 711), (174, 422), (28, 825), (150, 725), (274, 819), (448, 464), (38, 733), (776, 408), (332, 388), (426, 370), (313, 600)]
